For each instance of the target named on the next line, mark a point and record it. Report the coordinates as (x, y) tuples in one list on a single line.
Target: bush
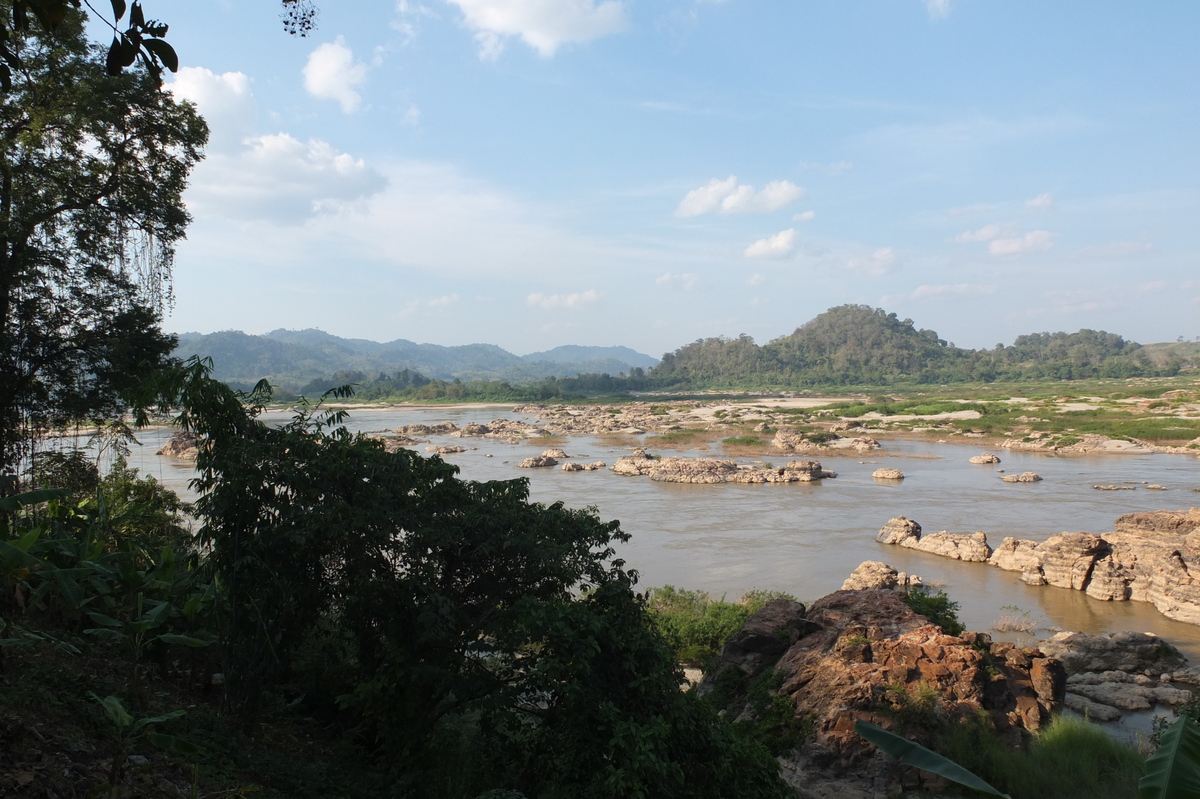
[(696, 625), (937, 607)]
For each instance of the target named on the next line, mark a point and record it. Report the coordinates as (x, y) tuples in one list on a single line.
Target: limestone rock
[(887, 474), (184, 445), (582, 467), (555, 453), (984, 457), (1023, 477), (874, 574), (438, 429), (440, 450), (1067, 558), (898, 530), (631, 465), (1128, 651), (971, 547), (1092, 711), (537, 462)]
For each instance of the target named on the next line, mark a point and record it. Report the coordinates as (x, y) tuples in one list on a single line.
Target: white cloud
[(755, 280), (412, 117), (253, 178), (777, 246), (225, 101), (1040, 202), (1034, 241), (544, 25), (553, 301), (727, 197), (442, 302), (332, 74), (412, 306), (938, 9), (804, 216), (685, 281), (877, 263), (985, 233)]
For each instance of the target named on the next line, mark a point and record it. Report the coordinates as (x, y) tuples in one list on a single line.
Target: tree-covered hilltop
[(858, 345)]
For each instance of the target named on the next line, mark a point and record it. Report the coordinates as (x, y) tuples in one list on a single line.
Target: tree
[(92, 172)]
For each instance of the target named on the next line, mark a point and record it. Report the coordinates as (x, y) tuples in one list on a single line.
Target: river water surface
[(806, 538)]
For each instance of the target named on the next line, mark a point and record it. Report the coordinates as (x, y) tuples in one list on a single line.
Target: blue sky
[(532, 173)]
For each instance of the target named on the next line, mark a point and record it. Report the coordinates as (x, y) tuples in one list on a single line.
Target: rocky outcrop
[(1118, 672), (789, 440), (439, 429), (984, 457), (1150, 557), (444, 450), (582, 467), (864, 654), (713, 470), (1023, 477), (184, 445), (537, 462), (960, 546), (887, 474), (874, 574)]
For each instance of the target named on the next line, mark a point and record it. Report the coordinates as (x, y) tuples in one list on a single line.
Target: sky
[(531, 173)]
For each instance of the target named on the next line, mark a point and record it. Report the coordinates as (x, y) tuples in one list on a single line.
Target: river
[(806, 538)]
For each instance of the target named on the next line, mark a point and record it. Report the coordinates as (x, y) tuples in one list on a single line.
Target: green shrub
[(742, 441), (696, 625), (937, 607)]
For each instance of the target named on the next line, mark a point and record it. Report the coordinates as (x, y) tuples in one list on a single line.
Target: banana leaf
[(913, 754), (1173, 771)]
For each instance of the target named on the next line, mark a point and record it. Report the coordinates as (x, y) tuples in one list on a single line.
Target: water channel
[(806, 538)]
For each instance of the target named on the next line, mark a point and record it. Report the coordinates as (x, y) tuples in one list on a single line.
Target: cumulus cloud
[(224, 100), (553, 301), (412, 117), (1034, 241), (938, 9), (544, 25), (777, 246), (804, 216), (684, 281), (877, 263), (1040, 202), (251, 178), (332, 74), (728, 197), (985, 233)]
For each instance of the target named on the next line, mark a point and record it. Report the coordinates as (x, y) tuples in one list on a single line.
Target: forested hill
[(859, 345), (294, 359)]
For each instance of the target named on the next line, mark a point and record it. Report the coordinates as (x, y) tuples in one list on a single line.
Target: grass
[(1069, 758), (742, 441), (1014, 620)]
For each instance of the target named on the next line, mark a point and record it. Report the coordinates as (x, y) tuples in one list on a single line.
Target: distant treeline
[(851, 345)]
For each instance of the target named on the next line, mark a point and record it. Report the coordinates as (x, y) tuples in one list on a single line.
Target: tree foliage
[(477, 640), (92, 172)]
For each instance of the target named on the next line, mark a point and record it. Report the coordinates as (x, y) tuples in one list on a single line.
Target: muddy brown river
[(806, 538)]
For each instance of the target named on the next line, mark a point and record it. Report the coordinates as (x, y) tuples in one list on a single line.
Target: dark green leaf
[(164, 52), (1173, 771), (118, 7), (184, 640), (172, 743), (913, 754)]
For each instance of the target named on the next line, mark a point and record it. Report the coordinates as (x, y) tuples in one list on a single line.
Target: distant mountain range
[(292, 358)]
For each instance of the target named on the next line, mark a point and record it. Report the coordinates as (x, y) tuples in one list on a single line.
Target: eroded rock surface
[(1023, 477), (864, 654), (875, 574), (1151, 557), (184, 445), (984, 457), (715, 470), (887, 474)]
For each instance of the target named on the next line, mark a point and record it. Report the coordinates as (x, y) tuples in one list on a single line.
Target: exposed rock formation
[(875, 574), (1124, 671), (184, 445), (447, 450), (984, 457), (887, 474), (867, 655), (537, 462), (713, 470), (1151, 557), (439, 429), (555, 453), (582, 467), (960, 546), (1023, 477), (789, 440)]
